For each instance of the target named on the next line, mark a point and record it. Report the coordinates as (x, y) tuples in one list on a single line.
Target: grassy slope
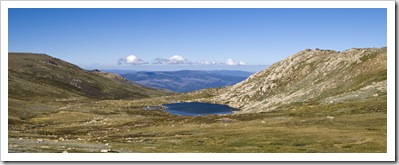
[(32, 76), (35, 79)]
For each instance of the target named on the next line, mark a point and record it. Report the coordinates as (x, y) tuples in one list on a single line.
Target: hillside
[(39, 76), (187, 80), (312, 76)]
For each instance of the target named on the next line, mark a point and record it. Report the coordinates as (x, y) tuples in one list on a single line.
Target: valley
[(316, 101)]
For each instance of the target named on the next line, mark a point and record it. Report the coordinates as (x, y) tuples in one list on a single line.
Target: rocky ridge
[(319, 76)]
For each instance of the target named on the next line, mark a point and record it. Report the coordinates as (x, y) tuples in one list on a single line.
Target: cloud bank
[(132, 60), (205, 62), (176, 60), (231, 62)]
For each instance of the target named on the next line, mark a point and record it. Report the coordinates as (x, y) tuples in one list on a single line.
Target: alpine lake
[(198, 109)]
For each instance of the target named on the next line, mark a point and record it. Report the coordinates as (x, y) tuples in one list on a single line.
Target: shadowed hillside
[(36, 79)]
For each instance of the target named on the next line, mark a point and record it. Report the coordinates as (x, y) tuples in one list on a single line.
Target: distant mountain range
[(187, 80)]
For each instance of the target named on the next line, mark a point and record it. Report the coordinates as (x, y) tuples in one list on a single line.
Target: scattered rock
[(44, 147), (330, 117), (105, 150)]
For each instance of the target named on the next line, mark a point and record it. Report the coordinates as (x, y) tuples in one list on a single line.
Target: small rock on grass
[(104, 150)]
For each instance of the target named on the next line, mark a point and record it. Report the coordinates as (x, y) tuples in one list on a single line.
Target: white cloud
[(175, 59), (205, 62), (132, 60), (231, 62), (242, 63)]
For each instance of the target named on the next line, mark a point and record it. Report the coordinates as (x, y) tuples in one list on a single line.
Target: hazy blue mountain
[(187, 80)]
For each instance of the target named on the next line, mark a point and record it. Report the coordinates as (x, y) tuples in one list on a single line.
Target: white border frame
[(389, 156)]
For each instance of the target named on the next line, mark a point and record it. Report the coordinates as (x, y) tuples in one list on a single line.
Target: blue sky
[(177, 39)]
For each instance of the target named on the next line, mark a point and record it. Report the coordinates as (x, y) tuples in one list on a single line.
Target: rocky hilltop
[(318, 76)]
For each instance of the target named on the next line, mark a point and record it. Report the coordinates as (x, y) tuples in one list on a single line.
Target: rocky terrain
[(187, 80), (319, 76), (315, 101)]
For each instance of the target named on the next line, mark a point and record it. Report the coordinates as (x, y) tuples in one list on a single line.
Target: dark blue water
[(197, 108)]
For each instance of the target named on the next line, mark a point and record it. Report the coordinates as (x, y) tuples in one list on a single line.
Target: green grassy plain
[(123, 126)]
